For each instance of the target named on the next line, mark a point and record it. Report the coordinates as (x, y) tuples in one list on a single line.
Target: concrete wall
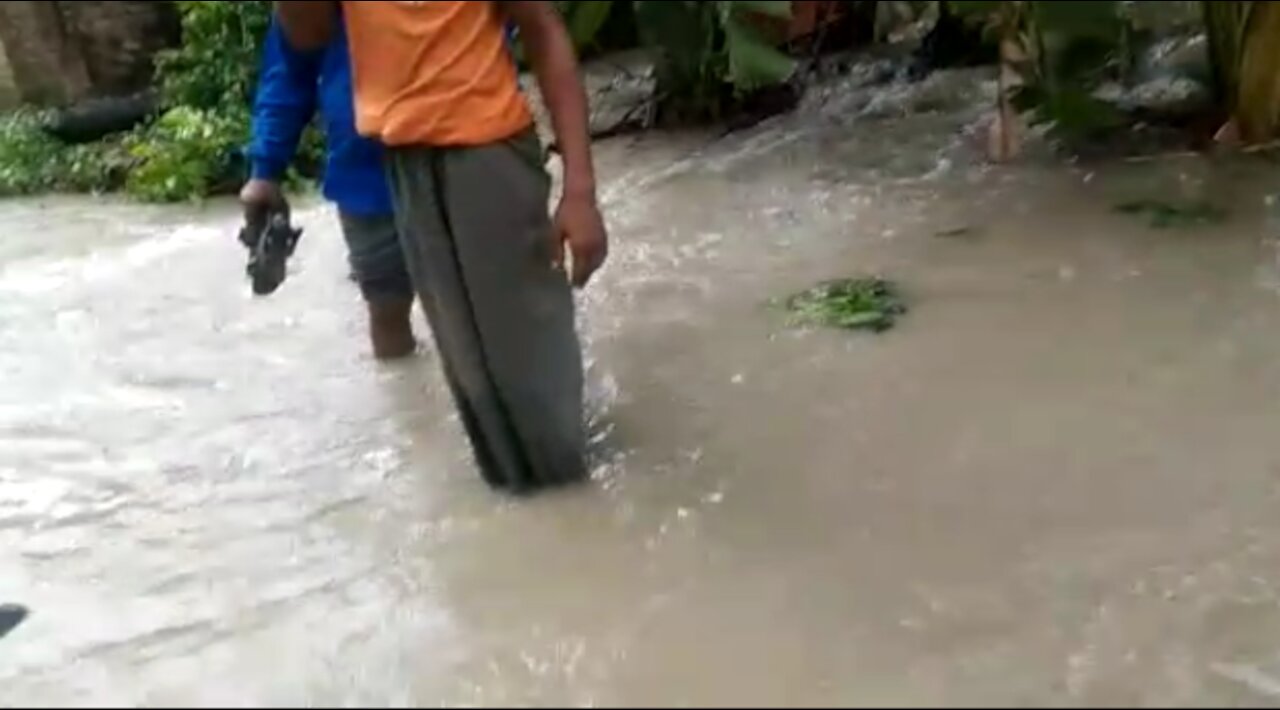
[(59, 52)]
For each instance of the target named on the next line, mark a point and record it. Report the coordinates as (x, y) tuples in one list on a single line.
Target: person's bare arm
[(308, 24), (550, 50)]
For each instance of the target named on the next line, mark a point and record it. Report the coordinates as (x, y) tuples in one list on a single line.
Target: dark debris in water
[(11, 616), (1169, 215), (964, 232), (851, 304)]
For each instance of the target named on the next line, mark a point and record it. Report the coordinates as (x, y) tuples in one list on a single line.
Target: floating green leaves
[(1168, 215), (851, 304)]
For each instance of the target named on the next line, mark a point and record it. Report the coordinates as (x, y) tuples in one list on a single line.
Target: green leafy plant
[(585, 19), (851, 304), (188, 153), (32, 162), (25, 155), (194, 149), (712, 54), (207, 84), (216, 65), (1056, 55)]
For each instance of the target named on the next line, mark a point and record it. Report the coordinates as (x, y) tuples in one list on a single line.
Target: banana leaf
[(754, 62), (585, 19)]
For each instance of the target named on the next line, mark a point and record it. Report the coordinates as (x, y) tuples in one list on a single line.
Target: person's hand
[(259, 198), (579, 227)]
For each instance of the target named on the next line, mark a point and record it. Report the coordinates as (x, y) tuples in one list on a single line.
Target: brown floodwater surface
[(1054, 483)]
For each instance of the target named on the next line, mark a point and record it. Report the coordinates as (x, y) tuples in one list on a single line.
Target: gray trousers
[(476, 235), (376, 258)]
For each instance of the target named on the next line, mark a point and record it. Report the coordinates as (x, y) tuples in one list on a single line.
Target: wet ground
[(1054, 483)]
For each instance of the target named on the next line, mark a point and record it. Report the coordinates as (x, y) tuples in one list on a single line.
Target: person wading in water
[(293, 85), (435, 83)]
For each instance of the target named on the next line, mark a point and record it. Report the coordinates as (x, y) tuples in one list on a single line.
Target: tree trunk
[(46, 61), (1224, 23), (62, 52), (1244, 44), (1258, 92)]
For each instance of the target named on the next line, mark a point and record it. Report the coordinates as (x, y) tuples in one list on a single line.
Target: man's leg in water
[(477, 239), (378, 266)]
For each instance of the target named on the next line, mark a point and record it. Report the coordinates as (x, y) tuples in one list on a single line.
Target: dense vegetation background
[(711, 59)]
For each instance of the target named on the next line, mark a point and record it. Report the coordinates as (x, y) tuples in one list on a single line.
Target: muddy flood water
[(1056, 482)]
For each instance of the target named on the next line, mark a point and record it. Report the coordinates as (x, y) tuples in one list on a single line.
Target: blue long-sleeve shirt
[(292, 86)]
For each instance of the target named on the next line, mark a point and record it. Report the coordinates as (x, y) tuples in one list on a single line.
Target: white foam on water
[(33, 277), (1250, 676)]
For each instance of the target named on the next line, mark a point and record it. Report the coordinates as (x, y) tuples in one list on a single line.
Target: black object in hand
[(270, 243)]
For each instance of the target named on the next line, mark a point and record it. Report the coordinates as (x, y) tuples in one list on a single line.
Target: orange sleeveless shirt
[(433, 73)]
